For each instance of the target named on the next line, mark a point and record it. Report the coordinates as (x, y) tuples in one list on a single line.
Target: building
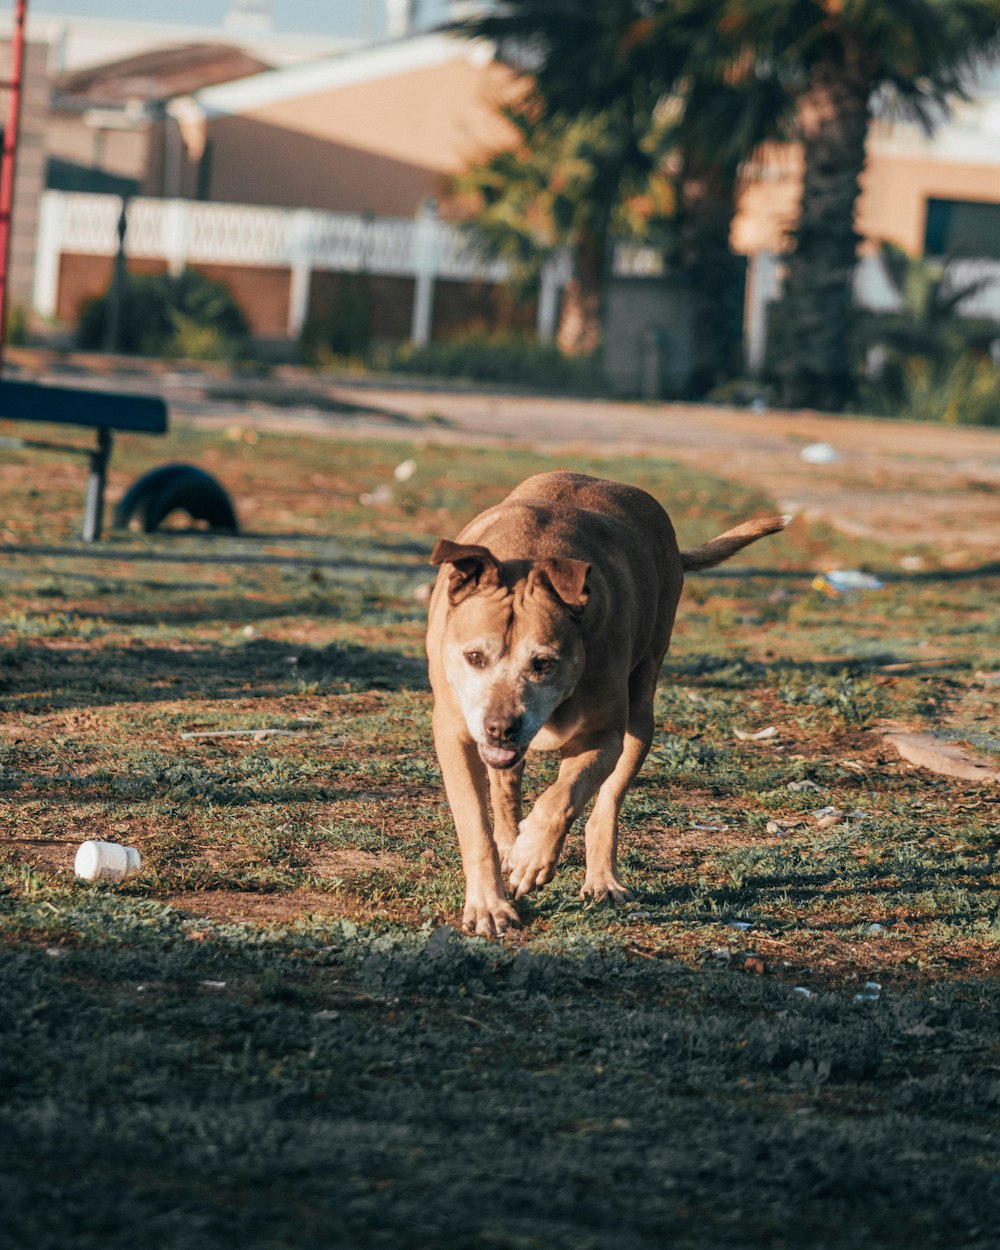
[(931, 194), (79, 42), (310, 171), (377, 131), (108, 129), (350, 148)]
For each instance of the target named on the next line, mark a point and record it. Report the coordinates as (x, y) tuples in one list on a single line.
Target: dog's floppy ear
[(566, 578), (473, 568)]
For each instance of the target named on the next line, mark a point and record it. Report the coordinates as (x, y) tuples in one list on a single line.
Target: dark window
[(63, 175), (962, 228)]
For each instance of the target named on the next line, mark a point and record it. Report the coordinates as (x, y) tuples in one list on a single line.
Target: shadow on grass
[(334, 1088), (329, 601), (756, 892), (281, 395), (40, 677), (118, 554), (417, 552), (746, 572), (729, 671), (178, 785)]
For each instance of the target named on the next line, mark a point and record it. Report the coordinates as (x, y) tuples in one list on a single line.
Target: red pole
[(7, 160)]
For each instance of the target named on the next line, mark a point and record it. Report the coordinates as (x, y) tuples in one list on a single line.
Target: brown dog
[(548, 623)]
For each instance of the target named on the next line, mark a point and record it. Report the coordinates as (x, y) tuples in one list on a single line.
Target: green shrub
[(505, 358), (933, 362), (345, 328), (959, 390), (186, 315), (18, 326)]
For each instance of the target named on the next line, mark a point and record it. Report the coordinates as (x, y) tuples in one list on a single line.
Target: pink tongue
[(498, 756)]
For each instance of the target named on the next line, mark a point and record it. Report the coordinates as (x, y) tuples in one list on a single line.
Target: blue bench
[(102, 411)]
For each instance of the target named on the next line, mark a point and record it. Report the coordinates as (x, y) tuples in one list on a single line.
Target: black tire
[(172, 488)]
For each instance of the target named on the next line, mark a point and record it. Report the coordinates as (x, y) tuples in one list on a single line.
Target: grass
[(272, 1037)]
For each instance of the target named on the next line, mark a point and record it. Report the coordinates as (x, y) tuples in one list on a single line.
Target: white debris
[(376, 498), (820, 453)]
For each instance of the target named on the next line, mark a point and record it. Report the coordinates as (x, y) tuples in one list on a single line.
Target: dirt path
[(910, 485), (906, 483)]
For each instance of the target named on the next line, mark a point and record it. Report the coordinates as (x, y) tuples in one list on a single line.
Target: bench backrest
[(64, 405)]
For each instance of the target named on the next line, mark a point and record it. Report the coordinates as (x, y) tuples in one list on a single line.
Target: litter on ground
[(838, 582)]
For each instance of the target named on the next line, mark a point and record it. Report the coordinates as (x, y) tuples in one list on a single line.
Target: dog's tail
[(727, 544)]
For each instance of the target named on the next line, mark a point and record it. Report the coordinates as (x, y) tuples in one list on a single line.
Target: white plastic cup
[(106, 861)]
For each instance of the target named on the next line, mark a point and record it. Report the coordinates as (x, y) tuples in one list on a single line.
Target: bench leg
[(93, 513)]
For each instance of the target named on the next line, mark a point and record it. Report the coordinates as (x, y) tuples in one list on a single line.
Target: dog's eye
[(542, 664), (475, 659)]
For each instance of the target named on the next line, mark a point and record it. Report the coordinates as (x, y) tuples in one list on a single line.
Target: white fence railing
[(423, 248), (184, 231), (872, 290)]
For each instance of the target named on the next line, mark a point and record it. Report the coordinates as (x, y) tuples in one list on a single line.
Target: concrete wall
[(647, 342)]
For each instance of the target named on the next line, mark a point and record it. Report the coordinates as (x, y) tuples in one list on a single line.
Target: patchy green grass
[(270, 1038)]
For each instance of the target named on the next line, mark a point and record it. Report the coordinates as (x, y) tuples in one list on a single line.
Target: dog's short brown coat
[(548, 624)]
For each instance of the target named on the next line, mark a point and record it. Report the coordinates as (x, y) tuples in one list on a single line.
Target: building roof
[(368, 64), (160, 74), (76, 41)]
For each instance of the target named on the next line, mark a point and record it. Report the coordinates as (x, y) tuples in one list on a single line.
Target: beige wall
[(381, 146), (768, 207), (895, 188), (121, 152)]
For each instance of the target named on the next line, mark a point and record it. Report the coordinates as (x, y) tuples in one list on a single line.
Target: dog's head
[(513, 643)]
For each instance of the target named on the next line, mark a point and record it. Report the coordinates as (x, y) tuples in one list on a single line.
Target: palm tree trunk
[(706, 204), (813, 326), (579, 332)]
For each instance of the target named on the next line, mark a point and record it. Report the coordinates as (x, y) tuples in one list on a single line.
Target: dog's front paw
[(604, 890), (489, 917), (504, 847), (531, 862)]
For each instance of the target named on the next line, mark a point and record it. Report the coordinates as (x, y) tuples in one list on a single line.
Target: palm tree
[(842, 60), (686, 100), (561, 186), (734, 71), (584, 145)]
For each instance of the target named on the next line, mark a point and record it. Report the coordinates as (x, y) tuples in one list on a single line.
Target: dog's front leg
[(505, 793), (587, 762), (487, 910)]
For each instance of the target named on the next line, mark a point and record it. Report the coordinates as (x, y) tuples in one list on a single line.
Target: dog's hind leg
[(601, 833), (505, 794)]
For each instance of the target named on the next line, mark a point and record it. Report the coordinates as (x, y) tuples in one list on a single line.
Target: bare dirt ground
[(910, 485), (905, 483)]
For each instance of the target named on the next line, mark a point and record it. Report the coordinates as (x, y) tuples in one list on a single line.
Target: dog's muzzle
[(500, 757), (502, 731)]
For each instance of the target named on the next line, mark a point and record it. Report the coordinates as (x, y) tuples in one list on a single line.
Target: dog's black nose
[(502, 728)]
